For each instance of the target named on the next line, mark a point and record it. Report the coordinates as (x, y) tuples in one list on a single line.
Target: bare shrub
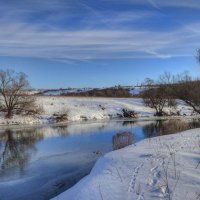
[(156, 96), (169, 172), (168, 188), (121, 140), (60, 117), (129, 113)]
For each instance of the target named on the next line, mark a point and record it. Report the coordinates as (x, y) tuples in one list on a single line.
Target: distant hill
[(117, 91), (107, 92), (64, 91)]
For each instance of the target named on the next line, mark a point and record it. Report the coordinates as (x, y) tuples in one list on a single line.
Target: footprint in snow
[(140, 197), (133, 179), (152, 182), (154, 168)]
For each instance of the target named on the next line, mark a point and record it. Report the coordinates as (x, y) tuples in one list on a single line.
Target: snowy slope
[(136, 90), (79, 108), (98, 108), (166, 167)]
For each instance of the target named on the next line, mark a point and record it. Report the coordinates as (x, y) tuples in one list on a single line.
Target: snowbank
[(166, 167), (81, 108)]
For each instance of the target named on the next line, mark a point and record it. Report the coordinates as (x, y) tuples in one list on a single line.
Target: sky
[(98, 43)]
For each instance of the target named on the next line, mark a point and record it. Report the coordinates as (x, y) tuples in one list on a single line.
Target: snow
[(136, 90), (81, 108), (164, 167)]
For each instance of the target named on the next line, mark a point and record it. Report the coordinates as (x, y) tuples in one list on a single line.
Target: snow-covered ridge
[(166, 167), (134, 90), (81, 108)]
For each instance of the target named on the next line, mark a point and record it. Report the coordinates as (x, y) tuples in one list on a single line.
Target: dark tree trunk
[(9, 114)]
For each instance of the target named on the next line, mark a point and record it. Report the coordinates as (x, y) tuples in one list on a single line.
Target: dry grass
[(121, 140)]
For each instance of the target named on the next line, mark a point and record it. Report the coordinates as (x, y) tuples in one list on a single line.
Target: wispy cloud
[(78, 30), (94, 44), (178, 3), (161, 3)]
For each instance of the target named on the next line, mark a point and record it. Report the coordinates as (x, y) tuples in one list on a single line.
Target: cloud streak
[(77, 30), (160, 3), (95, 44)]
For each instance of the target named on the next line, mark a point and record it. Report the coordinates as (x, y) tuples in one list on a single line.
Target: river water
[(38, 163)]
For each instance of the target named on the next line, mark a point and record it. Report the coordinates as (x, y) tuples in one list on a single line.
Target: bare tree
[(185, 88), (188, 91), (13, 89), (155, 96)]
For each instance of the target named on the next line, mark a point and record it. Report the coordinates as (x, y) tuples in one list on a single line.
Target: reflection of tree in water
[(127, 123), (121, 140), (165, 127), (152, 129), (57, 130), (17, 148)]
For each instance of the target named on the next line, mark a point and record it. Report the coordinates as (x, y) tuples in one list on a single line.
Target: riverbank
[(70, 109), (165, 167)]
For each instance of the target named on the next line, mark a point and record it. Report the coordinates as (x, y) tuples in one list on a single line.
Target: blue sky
[(88, 43)]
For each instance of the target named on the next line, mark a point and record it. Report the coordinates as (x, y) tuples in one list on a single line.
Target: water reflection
[(127, 123), (66, 153), (18, 146), (16, 149), (166, 127), (121, 140)]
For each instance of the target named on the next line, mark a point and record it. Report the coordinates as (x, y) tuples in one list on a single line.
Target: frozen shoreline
[(158, 168), (92, 109), (140, 119)]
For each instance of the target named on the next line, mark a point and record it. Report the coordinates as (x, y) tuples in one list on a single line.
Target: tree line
[(168, 88)]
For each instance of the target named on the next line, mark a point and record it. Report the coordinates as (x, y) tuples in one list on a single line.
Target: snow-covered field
[(166, 167), (82, 108)]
